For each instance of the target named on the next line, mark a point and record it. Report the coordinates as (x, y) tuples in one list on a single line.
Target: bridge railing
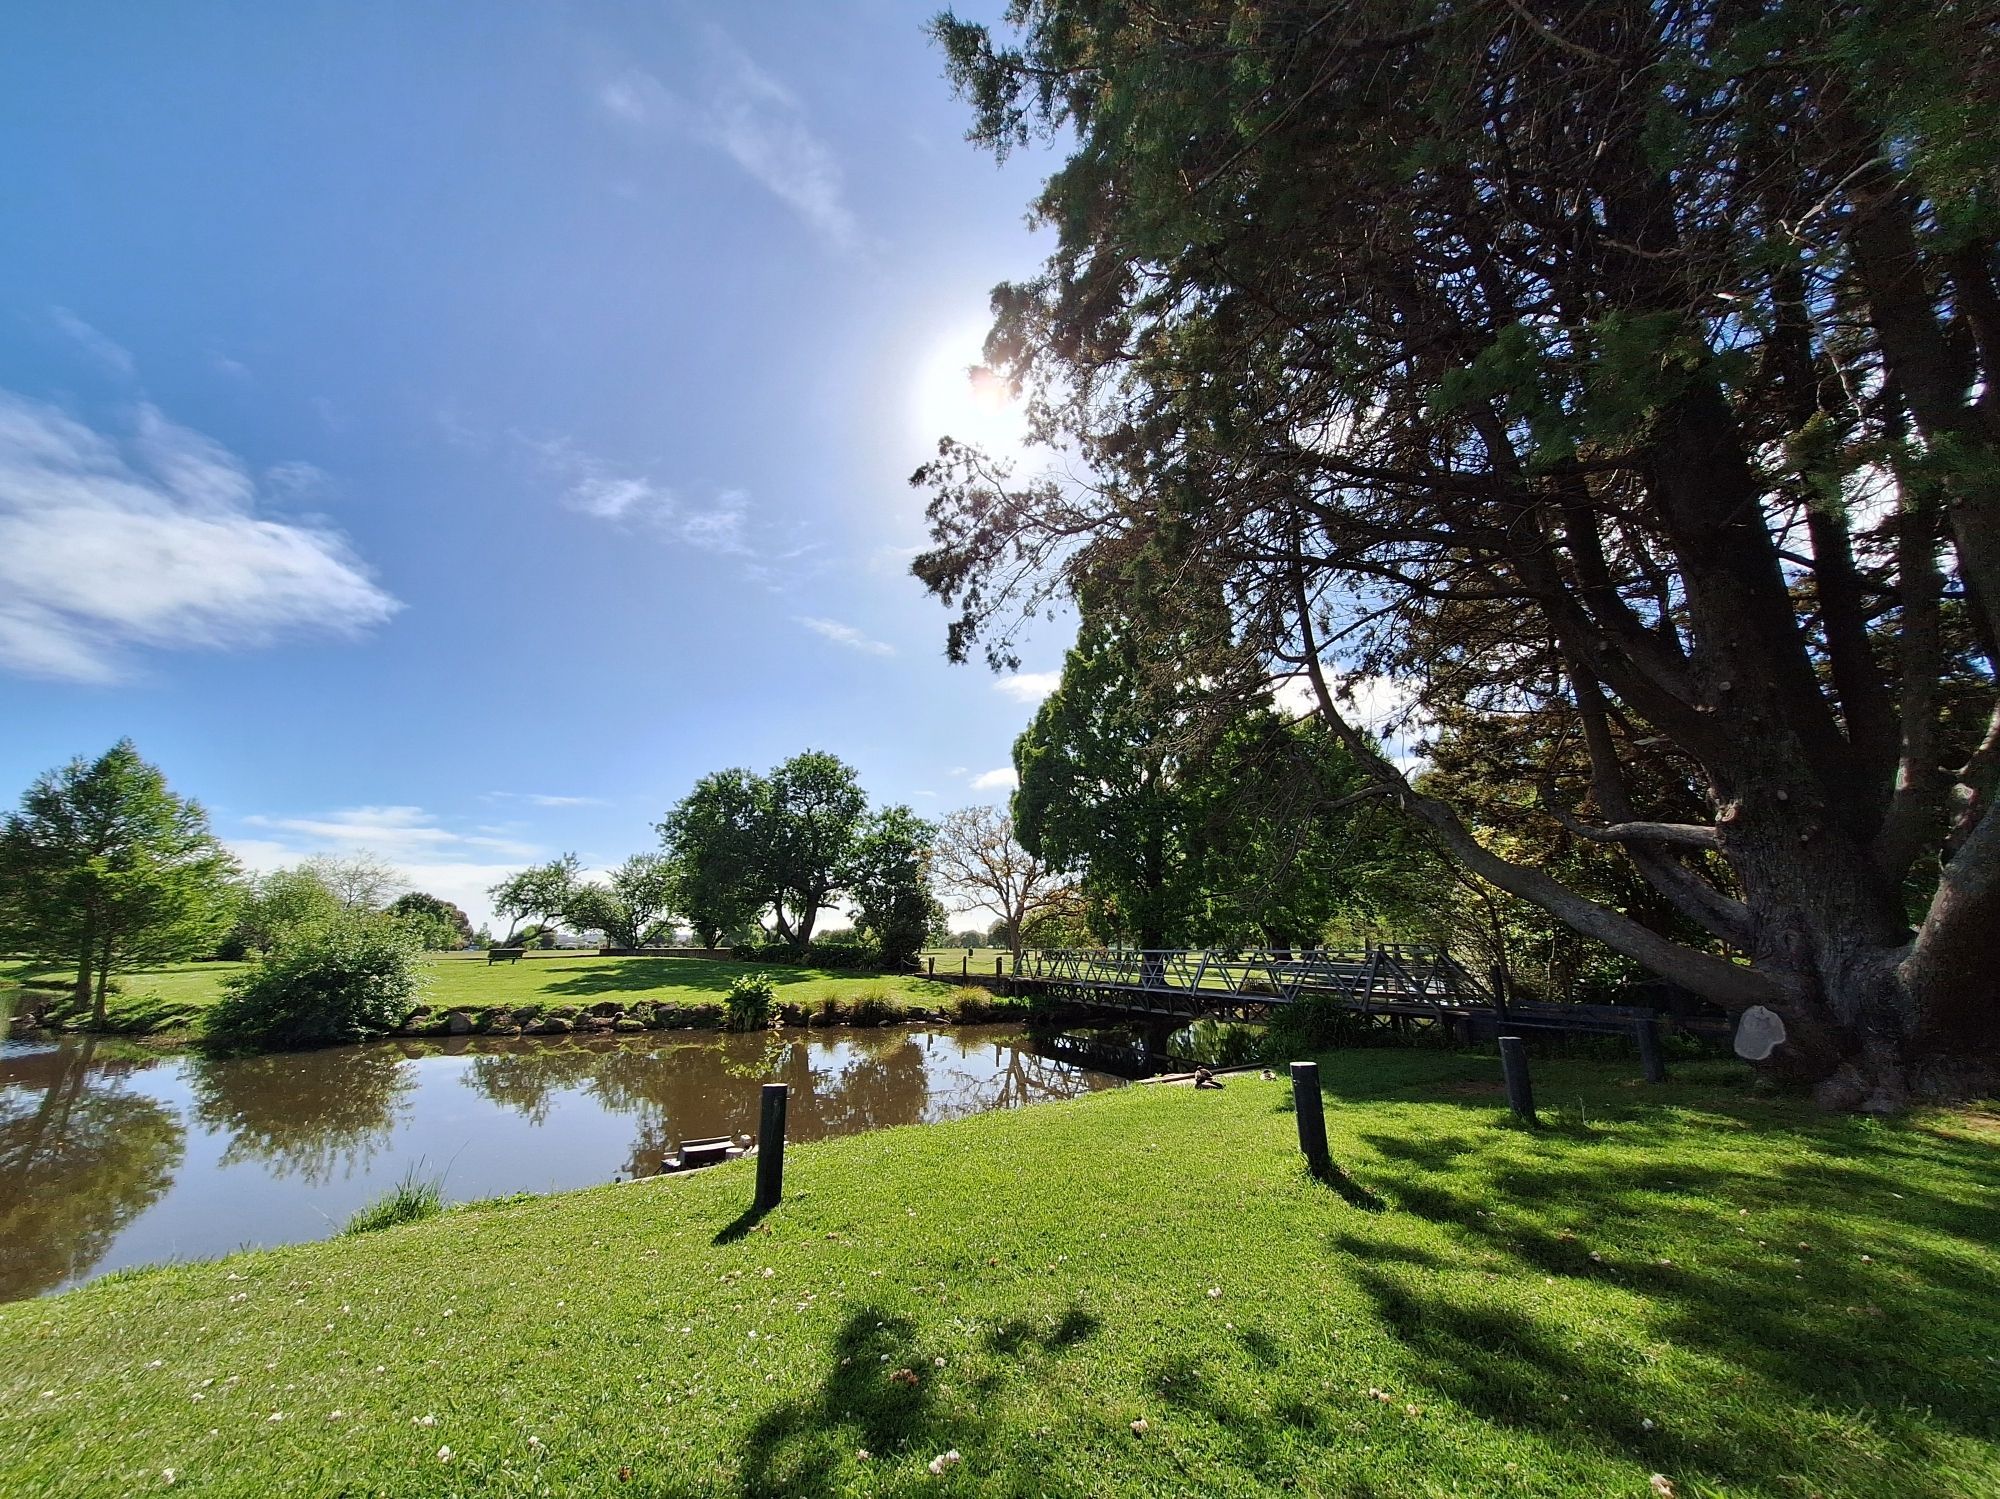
[(1282, 975)]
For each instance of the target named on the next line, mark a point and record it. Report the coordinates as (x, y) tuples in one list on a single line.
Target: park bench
[(709, 1152), (503, 955)]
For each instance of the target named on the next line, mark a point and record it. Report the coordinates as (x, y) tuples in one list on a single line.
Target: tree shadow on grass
[(879, 1394), (1814, 1337)]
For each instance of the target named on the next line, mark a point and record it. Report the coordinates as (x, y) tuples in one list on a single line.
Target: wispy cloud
[(846, 635), (152, 538), (397, 832), (605, 491), (1028, 686), (749, 115), (426, 855), (1002, 779), (104, 351), (540, 799)]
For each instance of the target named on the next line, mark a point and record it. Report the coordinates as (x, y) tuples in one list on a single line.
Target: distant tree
[(359, 881), (632, 909), (712, 839), (438, 925), (980, 865), (540, 892), (742, 844), (887, 875), (811, 808), (104, 868), (281, 903)]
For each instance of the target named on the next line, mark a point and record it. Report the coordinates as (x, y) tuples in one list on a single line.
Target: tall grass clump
[(411, 1200), (749, 1002)]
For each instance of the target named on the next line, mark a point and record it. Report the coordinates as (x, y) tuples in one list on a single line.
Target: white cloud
[(1002, 779), (541, 799), (1386, 707), (426, 855), (597, 488), (755, 120), (393, 832), (1028, 686), (110, 354), (846, 635), (153, 541)]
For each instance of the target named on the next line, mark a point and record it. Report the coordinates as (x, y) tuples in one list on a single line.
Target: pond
[(112, 1157)]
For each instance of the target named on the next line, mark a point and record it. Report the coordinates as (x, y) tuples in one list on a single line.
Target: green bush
[(341, 982), (749, 1002), (791, 955), (409, 1201), (1214, 1043)]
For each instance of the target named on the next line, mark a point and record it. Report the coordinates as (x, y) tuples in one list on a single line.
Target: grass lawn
[(1695, 1281), (170, 999)]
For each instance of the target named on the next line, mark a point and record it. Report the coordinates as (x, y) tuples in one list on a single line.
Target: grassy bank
[(1695, 1281), (169, 1000)]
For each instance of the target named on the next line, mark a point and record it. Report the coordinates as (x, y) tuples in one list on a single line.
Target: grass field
[(1137, 1293), (169, 1000)]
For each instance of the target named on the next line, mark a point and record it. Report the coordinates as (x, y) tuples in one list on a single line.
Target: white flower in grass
[(1213, 1292), (167, 1476), (444, 1454), (944, 1460), (1661, 1485), (423, 1420), (862, 1454), (1140, 1427)]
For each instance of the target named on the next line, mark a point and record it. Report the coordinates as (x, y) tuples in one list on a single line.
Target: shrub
[(409, 1201), (790, 955), (749, 1002), (1311, 1025), (341, 982), (1212, 1043)]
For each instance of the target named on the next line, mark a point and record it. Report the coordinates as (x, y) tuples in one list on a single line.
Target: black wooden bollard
[(996, 966), (771, 1148), (1514, 1067), (933, 963), (1311, 1109), (1651, 1060)]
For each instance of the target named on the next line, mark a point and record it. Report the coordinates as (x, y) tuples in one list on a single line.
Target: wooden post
[(1651, 1060), (965, 964), (997, 970), (933, 963), (771, 1148), (1514, 1066), (1311, 1109)]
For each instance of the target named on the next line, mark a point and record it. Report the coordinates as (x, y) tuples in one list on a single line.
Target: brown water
[(109, 1158)]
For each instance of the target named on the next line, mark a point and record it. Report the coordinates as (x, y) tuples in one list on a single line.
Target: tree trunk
[(85, 965), (97, 1013)]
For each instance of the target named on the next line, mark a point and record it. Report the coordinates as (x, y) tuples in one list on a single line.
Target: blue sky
[(450, 429)]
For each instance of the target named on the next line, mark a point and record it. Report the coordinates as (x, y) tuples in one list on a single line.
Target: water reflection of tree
[(77, 1163), (526, 1076), (1019, 1076), (303, 1113)]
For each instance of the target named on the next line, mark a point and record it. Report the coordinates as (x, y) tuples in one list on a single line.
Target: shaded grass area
[(1697, 1280), (169, 1000)]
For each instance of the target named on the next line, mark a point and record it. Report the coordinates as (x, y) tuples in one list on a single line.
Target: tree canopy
[(1629, 367), (103, 867)]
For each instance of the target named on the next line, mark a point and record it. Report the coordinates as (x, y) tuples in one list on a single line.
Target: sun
[(955, 395)]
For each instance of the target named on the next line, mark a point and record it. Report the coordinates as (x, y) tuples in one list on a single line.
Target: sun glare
[(955, 395)]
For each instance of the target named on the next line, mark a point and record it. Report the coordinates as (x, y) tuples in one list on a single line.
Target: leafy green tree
[(742, 845), (712, 839), (437, 924), (1627, 365), (105, 868), (276, 905), (632, 910), (540, 892), (810, 809), (887, 875)]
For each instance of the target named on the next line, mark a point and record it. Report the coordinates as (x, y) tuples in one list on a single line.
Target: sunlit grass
[(1698, 1281)]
